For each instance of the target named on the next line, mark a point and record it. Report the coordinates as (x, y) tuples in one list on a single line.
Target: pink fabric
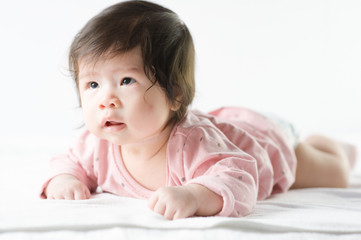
[(235, 152)]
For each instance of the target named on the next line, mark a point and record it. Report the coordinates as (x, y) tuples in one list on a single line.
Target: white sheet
[(306, 210), (298, 214)]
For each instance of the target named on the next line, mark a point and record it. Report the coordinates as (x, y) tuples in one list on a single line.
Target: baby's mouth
[(112, 123)]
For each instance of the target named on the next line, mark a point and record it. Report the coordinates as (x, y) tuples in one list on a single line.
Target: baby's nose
[(110, 103)]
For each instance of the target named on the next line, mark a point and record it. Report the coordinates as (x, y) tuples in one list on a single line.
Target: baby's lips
[(112, 123), (108, 122)]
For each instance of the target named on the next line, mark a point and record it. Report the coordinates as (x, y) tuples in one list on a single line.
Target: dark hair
[(165, 41)]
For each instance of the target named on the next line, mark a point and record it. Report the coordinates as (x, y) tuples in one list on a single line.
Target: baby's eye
[(127, 81), (93, 85)]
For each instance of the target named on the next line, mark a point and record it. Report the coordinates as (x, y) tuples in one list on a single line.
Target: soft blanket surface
[(306, 210)]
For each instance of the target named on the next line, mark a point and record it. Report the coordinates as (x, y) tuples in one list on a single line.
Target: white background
[(297, 59)]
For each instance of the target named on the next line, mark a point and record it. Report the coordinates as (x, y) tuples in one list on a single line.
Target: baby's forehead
[(131, 60)]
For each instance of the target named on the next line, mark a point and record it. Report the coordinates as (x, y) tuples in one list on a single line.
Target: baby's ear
[(175, 106), (177, 103)]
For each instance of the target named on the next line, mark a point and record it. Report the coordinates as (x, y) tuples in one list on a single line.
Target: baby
[(133, 65)]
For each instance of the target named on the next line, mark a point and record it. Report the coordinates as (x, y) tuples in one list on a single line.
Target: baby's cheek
[(90, 119)]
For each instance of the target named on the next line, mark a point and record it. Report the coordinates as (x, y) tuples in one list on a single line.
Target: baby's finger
[(87, 193), (169, 213), (52, 197), (152, 201), (177, 215), (159, 208), (80, 194), (58, 196), (69, 195), (181, 214)]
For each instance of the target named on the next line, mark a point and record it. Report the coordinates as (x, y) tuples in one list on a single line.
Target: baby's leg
[(323, 162)]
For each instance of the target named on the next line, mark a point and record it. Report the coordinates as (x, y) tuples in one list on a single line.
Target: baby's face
[(118, 101)]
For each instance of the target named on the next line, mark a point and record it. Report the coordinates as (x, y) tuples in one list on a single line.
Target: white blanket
[(305, 210)]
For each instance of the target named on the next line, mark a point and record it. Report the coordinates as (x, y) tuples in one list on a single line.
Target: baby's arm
[(71, 175), (65, 186), (185, 201), (204, 157)]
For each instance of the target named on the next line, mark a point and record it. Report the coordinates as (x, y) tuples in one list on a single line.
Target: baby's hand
[(174, 202), (185, 201), (66, 187)]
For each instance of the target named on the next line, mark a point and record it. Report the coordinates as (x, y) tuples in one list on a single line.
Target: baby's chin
[(111, 139)]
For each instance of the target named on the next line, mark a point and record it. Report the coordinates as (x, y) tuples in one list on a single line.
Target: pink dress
[(235, 152)]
